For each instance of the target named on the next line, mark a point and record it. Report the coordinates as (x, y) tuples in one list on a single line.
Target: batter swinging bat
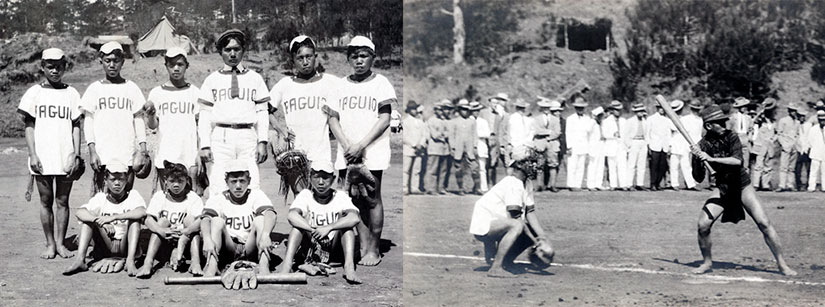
[(277, 278), (678, 123)]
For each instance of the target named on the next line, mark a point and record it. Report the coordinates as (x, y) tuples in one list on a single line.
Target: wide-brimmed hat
[(500, 96), (597, 111), (793, 106), (445, 104), (543, 102), (696, 104), (412, 105), (769, 103), (521, 103), (713, 113), (820, 114), (580, 103), (543, 132), (463, 103), (475, 105), (802, 112), (555, 105), (615, 104), (636, 107), (740, 102), (677, 105)]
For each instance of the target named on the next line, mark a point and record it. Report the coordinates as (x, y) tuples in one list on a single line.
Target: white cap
[(52, 54), (519, 153), (175, 51), (299, 39), (116, 166), (597, 111), (361, 41), (323, 166), (107, 48), (237, 166)]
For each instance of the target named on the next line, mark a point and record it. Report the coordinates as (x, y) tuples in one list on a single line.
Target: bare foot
[(97, 265), (117, 266), (63, 252), (211, 268), (704, 268), (787, 271), (370, 259), (499, 273), (311, 270), (144, 272), (49, 253), (264, 269), (131, 268), (351, 276), (77, 267), (196, 269)]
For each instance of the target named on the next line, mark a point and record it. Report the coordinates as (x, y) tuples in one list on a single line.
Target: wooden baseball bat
[(678, 123), (276, 278)]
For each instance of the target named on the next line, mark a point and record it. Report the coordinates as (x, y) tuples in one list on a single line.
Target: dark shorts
[(734, 210)]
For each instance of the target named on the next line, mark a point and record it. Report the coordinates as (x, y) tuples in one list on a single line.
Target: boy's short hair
[(223, 39)]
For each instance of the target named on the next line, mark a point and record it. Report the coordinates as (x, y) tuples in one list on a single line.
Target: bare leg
[(261, 252), (348, 242), (132, 241), (194, 251), (62, 205), (155, 242), (372, 225), (216, 234), (44, 186), (489, 248), (84, 238), (509, 230), (754, 209), (707, 217), (292, 245)]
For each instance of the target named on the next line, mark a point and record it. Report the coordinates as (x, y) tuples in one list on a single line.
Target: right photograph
[(614, 153)]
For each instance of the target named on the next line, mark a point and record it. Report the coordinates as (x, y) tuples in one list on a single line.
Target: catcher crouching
[(236, 223), (504, 218), (322, 219)]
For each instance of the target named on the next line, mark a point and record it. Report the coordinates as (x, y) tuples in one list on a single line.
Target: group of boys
[(226, 122), (627, 146)]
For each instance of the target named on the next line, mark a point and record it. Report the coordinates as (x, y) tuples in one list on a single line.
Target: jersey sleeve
[(385, 93), (514, 196), (156, 204), (153, 95), (261, 97), (212, 208), (74, 104), (345, 202), (196, 206), (301, 201), (94, 204), (332, 107), (27, 102), (194, 92), (527, 198), (88, 102), (136, 200), (261, 203), (276, 95), (137, 97), (205, 97)]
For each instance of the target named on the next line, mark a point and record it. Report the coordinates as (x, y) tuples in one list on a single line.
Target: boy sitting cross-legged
[(112, 219), (237, 222), (322, 218), (173, 217)]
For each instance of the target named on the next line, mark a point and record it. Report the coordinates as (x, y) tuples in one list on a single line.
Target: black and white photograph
[(201, 153), (613, 153)]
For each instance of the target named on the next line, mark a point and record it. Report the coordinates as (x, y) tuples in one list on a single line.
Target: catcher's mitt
[(78, 169), (202, 177), (541, 255), (360, 183), (292, 165), (317, 258), (240, 275), (146, 168)]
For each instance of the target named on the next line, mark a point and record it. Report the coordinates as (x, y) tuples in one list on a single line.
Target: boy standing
[(112, 219), (50, 112), (324, 218)]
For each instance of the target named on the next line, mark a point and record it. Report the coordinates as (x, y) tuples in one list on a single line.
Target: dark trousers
[(802, 162), (462, 167), (437, 166), (658, 167)]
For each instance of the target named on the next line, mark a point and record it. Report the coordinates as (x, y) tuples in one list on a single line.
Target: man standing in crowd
[(742, 124), (414, 150), (764, 147), (787, 133), (659, 145), (636, 140), (577, 131), (437, 150), (463, 147), (679, 147)]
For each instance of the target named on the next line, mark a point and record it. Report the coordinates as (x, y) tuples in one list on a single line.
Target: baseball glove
[(360, 183), (541, 255), (78, 169), (292, 165), (202, 177), (145, 168), (240, 275), (317, 257)]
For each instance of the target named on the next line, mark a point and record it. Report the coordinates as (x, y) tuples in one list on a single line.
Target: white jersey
[(359, 103), (177, 129), (113, 107), (322, 215), (238, 217), (161, 207), (306, 105), (253, 95), (53, 111), (99, 205), (510, 191)]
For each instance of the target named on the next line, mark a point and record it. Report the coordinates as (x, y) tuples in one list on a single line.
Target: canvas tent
[(161, 37)]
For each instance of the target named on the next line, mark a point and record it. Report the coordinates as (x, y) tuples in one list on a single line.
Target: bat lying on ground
[(276, 278), (678, 123)]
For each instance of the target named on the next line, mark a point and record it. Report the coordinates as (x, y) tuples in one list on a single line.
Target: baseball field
[(618, 249)]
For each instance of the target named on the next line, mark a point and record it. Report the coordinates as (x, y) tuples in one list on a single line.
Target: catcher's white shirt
[(319, 214), (252, 97), (99, 205), (175, 212), (238, 218), (177, 129), (113, 107), (358, 104), (53, 110), (510, 191), (302, 103)]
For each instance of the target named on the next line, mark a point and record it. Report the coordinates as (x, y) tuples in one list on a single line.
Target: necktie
[(234, 92)]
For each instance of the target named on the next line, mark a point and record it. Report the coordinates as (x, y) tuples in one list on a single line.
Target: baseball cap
[(52, 54), (237, 166), (300, 39), (323, 166), (229, 34), (361, 41), (109, 47), (116, 166), (175, 51)]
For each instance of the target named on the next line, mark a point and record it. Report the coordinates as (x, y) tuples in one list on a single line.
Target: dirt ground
[(27, 280), (619, 249)]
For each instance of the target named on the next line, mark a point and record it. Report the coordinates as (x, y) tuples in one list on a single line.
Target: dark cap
[(230, 34), (713, 113)]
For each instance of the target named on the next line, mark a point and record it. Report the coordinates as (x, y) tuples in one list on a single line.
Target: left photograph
[(176, 151)]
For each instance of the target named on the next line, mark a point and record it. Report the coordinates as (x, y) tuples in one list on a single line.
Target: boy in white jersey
[(50, 112), (173, 217), (175, 103), (504, 215), (237, 222), (112, 219), (324, 218), (233, 122), (114, 118), (366, 100), (304, 106)]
